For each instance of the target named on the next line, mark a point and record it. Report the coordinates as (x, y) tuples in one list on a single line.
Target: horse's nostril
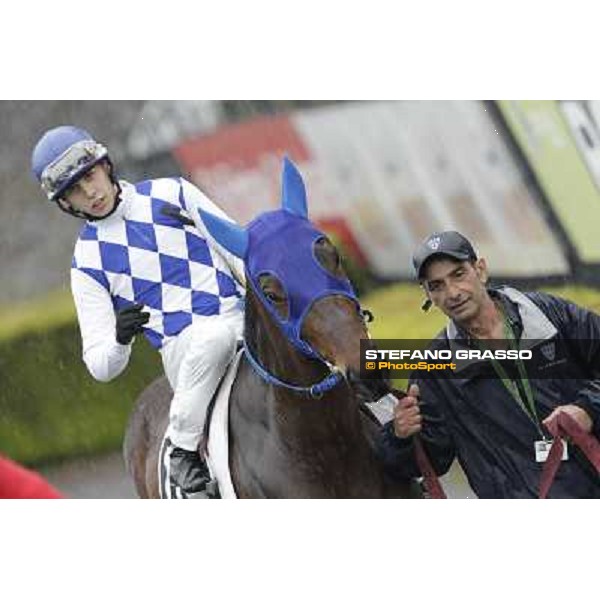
[(352, 376), (367, 390)]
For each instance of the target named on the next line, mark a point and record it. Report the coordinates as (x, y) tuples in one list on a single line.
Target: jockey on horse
[(144, 262)]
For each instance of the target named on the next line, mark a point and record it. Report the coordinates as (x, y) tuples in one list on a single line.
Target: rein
[(315, 391)]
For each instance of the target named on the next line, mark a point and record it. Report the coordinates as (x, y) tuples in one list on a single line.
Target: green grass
[(52, 310), (50, 406), (398, 314)]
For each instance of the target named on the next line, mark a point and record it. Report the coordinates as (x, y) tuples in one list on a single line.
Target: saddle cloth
[(218, 432)]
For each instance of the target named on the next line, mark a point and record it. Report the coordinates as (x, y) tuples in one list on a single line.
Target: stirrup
[(183, 474)]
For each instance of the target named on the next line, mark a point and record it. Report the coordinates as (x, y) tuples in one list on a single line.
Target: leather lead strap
[(432, 483), (561, 427)]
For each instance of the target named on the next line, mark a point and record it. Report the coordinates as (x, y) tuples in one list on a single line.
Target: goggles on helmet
[(70, 165)]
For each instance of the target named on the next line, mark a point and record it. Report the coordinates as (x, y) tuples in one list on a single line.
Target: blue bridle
[(315, 391)]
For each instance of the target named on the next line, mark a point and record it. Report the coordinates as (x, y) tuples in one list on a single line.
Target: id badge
[(383, 409), (542, 449)]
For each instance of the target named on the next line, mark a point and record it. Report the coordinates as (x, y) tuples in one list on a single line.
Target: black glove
[(129, 323)]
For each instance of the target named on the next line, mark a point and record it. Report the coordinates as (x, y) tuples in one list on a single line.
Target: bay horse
[(297, 424)]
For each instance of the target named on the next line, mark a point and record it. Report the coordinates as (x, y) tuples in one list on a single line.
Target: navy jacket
[(472, 417)]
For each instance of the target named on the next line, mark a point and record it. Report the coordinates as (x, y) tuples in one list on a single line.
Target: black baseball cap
[(445, 243)]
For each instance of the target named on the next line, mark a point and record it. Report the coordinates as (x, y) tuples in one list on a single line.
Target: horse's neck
[(298, 445), (336, 406), (320, 445), (298, 416), (326, 428)]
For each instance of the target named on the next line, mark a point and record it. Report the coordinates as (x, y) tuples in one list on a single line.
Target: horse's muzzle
[(367, 390)]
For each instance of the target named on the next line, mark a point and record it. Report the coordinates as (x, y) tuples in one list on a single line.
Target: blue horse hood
[(283, 244)]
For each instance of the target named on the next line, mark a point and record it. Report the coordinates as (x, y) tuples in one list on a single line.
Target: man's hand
[(129, 323), (578, 414), (407, 416)]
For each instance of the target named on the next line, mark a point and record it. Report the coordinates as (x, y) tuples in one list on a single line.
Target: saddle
[(216, 432)]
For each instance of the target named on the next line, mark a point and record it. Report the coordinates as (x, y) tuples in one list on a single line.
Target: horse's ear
[(293, 192), (229, 234)]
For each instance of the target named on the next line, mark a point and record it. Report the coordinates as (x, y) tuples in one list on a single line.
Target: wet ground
[(455, 484), (97, 477), (105, 477)]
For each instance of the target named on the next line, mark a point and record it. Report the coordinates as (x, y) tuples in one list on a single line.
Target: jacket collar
[(524, 317)]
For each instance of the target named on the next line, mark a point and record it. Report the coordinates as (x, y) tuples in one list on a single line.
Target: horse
[(297, 424)]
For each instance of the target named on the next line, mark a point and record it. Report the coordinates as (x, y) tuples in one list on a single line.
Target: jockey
[(144, 262)]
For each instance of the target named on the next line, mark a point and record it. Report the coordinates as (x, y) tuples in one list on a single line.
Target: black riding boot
[(184, 475)]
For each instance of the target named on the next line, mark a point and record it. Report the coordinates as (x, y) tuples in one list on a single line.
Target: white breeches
[(194, 363)]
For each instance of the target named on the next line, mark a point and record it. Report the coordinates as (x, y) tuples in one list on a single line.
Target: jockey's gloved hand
[(130, 321)]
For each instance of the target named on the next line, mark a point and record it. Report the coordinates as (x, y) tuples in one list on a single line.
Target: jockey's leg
[(205, 352)]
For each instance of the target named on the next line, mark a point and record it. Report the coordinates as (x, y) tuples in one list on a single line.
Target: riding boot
[(184, 475)]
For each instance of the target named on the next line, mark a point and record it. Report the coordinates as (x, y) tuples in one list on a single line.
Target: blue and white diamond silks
[(141, 255)]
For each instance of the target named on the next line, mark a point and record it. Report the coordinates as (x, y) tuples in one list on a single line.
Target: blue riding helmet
[(62, 156)]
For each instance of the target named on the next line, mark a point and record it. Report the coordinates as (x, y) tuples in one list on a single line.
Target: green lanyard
[(511, 386)]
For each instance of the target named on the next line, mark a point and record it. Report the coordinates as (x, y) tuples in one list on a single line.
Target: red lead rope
[(432, 483), (562, 427)]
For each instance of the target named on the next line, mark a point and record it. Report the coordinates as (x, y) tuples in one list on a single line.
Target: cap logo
[(434, 242)]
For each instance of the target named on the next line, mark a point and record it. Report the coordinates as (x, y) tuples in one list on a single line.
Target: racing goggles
[(69, 166)]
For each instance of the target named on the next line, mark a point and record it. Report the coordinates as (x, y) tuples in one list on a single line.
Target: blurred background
[(520, 178)]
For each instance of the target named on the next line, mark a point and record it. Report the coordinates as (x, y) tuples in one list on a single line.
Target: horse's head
[(297, 275)]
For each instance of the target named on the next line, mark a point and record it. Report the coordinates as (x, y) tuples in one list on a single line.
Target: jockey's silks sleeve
[(194, 199), (104, 357)]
